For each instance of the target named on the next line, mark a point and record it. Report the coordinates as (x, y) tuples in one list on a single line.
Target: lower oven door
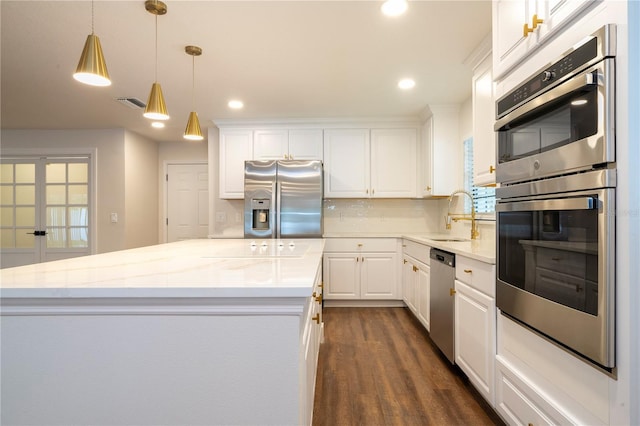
[(556, 266)]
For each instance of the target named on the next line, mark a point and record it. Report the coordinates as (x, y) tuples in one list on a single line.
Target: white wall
[(126, 179), (466, 120), (110, 171), (141, 191)]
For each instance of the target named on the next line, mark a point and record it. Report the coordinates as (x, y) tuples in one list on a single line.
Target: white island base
[(160, 360)]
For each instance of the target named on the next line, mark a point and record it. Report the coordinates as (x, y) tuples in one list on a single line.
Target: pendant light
[(192, 131), (156, 108), (92, 69)]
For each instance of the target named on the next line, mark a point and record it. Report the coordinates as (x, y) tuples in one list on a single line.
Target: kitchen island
[(193, 332)]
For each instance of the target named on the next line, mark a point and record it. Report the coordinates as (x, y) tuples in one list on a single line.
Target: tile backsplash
[(377, 216), (368, 216)]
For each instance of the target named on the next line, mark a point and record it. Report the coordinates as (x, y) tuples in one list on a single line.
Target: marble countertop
[(483, 250), (192, 268)]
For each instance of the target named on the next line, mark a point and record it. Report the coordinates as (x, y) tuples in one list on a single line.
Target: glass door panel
[(44, 197)]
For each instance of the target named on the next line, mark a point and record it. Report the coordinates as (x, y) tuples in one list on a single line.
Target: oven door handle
[(583, 80), (581, 203)]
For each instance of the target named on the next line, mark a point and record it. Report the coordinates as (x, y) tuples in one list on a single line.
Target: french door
[(44, 209)]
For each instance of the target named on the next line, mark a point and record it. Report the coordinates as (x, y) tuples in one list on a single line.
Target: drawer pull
[(468, 271), (404, 261), (318, 298), (359, 244), (316, 318), (415, 268), (321, 285), (451, 292)]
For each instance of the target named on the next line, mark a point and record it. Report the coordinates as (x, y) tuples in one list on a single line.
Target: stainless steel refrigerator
[(283, 199)]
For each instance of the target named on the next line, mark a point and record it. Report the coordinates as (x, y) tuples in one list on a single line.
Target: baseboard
[(363, 303)]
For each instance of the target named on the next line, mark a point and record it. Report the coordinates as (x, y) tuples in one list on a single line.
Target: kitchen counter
[(483, 250), (192, 332), (193, 268)]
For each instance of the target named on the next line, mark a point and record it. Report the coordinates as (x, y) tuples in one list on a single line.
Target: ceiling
[(284, 59)]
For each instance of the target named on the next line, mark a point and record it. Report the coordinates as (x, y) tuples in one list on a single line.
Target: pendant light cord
[(193, 82), (92, 17), (156, 48)]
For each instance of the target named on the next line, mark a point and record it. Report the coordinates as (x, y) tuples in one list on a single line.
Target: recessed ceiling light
[(406, 84), (235, 104), (394, 7), (157, 124)]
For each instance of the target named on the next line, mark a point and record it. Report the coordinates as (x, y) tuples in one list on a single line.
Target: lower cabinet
[(518, 404), (475, 331), (312, 335), (360, 269), (475, 323), (416, 280)]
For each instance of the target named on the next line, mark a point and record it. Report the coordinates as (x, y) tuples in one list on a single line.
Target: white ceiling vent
[(134, 103)]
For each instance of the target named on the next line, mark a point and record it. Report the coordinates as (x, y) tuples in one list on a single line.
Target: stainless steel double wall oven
[(556, 202)]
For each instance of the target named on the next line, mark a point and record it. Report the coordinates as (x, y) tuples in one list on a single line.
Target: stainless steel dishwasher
[(442, 302)]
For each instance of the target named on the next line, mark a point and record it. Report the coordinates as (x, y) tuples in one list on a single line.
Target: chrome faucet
[(474, 227)]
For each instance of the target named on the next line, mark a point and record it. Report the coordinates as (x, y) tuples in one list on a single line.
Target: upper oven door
[(567, 129)]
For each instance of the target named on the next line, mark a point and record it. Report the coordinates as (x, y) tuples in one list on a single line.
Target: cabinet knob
[(404, 261), (321, 285), (359, 244), (428, 188), (318, 298), (492, 169), (415, 268), (535, 21), (468, 271), (316, 318), (451, 292)]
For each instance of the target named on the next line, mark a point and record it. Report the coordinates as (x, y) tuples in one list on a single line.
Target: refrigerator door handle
[(276, 190)]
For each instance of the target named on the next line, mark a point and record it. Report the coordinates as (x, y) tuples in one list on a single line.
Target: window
[(484, 197)]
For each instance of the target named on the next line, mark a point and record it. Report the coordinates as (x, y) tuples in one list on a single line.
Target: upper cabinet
[(393, 163), (346, 163), (521, 26), (282, 144), (376, 163), (441, 172), (236, 146), (484, 141)]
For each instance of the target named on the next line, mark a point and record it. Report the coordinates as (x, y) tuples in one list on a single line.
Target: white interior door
[(187, 201), (44, 209)]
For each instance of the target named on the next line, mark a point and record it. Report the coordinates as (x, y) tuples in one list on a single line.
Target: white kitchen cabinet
[(292, 144), (393, 163), (360, 269), (311, 338), (475, 323), (441, 152), (484, 137), (518, 404), (236, 146), (346, 163), (416, 278), (376, 163), (409, 284), (521, 26)]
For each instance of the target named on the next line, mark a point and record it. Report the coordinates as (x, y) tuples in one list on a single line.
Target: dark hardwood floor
[(377, 366)]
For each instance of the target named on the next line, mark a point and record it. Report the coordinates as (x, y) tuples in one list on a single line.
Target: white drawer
[(416, 250), (479, 275), (360, 244), (520, 404)]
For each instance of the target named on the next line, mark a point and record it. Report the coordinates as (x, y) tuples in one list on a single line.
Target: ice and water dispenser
[(260, 212)]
